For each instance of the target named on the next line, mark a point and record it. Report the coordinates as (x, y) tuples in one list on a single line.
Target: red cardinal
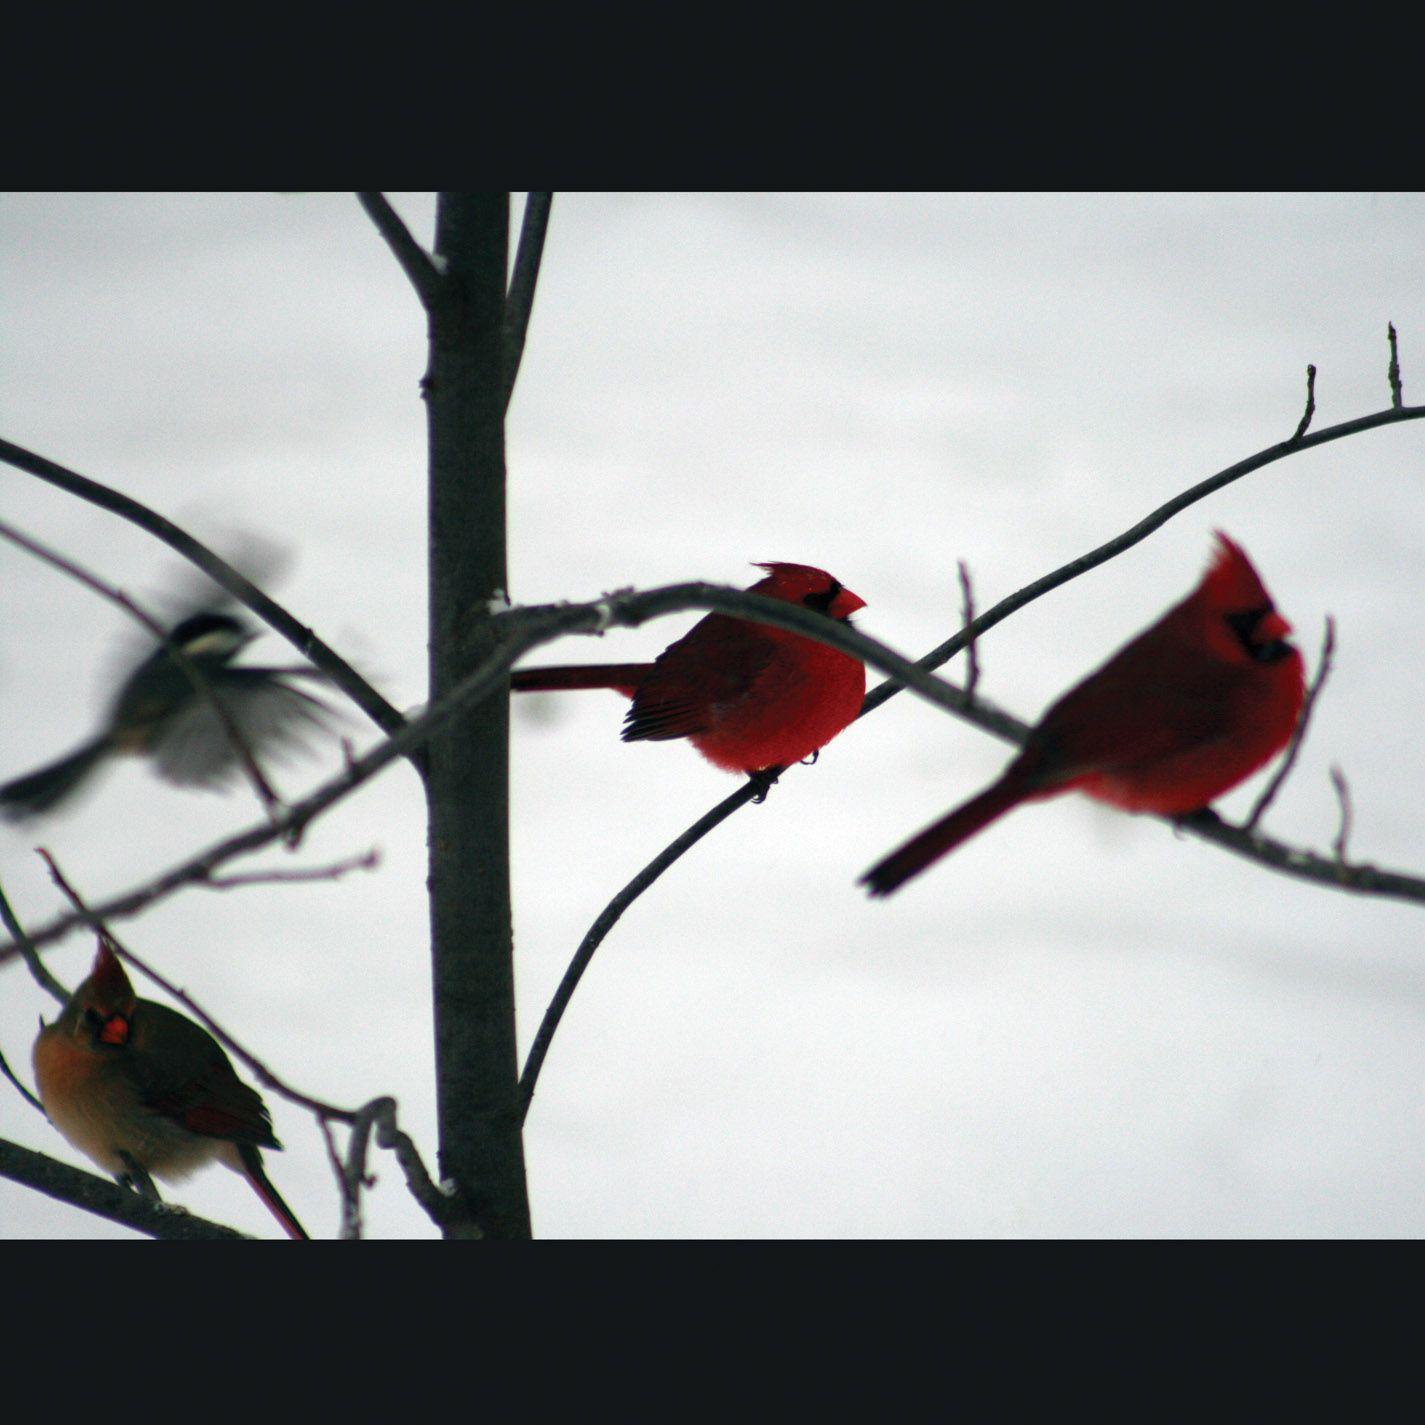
[(746, 695), (140, 1089), (1178, 716)]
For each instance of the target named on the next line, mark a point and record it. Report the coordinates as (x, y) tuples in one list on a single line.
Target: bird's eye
[(823, 601), (1247, 627), (92, 1017)]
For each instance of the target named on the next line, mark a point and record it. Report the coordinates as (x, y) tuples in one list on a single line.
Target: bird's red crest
[(109, 990), (1231, 582)]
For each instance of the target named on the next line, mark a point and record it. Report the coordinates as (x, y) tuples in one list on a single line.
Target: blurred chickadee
[(159, 713)]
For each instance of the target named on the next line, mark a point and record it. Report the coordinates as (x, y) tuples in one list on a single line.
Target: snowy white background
[(1077, 1025)]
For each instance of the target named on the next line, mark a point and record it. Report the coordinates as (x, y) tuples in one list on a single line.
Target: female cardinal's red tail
[(945, 835), (621, 677), (254, 1172)]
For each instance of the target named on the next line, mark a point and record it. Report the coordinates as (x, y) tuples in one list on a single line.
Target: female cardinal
[(160, 714), (746, 695), (140, 1089), (1178, 716)]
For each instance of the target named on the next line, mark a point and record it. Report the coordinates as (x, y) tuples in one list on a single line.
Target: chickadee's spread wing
[(271, 715)]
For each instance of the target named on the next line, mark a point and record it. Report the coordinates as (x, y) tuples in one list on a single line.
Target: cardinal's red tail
[(945, 835), (621, 677), (254, 1172)]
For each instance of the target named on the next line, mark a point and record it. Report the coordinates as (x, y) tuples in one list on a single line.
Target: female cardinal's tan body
[(139, 1089)]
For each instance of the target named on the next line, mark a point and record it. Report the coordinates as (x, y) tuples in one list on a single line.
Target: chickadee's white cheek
[(211, 643)]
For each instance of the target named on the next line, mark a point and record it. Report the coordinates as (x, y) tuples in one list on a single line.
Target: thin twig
[(1343, 798), (352, 1177), (1310, 410), (414, 259), (351, 1173), (606, 921), (201, 685), (520, 301), (439, 1205), (380, 1114), (23, 1091), (967, 620), (39, 971), (303, 639), (42, 976), (1397, 391), (367, 861), (334, 1161), (1323, 669)]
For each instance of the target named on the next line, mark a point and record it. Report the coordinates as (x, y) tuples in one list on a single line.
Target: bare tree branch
[(302, 638), (39, 971), (606, 921), (42, 976), (106, 1199), (19, 1086), (367, 861), (520, 301), (351, 1174), (380, 1114), (415, 261)]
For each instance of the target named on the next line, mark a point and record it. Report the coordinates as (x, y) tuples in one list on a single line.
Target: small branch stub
[(1310, 410), (1343, 797), (967, 619), (1397, 391)]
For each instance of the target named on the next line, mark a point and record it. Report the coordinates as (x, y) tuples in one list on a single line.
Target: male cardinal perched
[(746, 695), (141, 1090), (160, 714), (1178, 716)]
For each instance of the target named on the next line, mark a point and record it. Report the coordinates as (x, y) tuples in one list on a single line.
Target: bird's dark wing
[(272, 715), (1149, 701), (711, 668), (204, 1092)]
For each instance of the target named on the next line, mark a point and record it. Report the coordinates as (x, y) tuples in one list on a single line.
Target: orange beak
[(115, 1030)]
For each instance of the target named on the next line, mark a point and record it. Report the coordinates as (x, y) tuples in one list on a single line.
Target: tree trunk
[(481, 1151)]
